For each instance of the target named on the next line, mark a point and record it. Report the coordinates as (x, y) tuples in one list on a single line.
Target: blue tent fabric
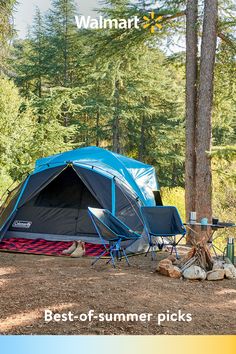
[(140, 177)]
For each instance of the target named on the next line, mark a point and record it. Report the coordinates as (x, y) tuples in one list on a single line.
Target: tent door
[(79, 212), (60, 208)]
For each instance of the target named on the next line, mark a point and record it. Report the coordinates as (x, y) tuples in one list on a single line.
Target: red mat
[(49, 248)]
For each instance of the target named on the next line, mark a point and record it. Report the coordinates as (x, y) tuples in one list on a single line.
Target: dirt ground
[(29, 284)]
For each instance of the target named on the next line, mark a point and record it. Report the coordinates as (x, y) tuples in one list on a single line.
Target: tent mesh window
[(66, 191)]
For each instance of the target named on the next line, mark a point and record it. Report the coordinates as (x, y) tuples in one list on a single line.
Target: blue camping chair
[(165, 223), (114, 234)]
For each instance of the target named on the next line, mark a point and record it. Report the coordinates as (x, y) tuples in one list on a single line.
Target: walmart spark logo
[(152, 22)]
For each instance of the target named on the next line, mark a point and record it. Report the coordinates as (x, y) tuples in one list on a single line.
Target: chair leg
[(153, 255), (176, 252), (120, 255), (126, 258), (179, 240), (174, 248), (151, 247), (113, 259), (147, 251), (109, 260), (176, 244), (162, 245), (115, 253), (98, 257)]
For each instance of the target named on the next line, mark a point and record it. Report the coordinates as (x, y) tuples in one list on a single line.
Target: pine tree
[(63, 44), (6, 31), (29, 56)]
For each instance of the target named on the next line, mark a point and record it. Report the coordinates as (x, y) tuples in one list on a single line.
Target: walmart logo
[(87, 22), (152, 22)]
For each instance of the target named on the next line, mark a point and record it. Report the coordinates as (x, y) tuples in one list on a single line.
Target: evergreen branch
[(227, 40), (172, 17), (225, 152)]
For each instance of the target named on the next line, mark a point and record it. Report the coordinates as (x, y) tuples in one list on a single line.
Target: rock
[(164, 270), (163, 263), (230, 268), (228, 274), (172, 258), (175, 272), (217, 265), (217, 274), (194, 272), (165, 267)]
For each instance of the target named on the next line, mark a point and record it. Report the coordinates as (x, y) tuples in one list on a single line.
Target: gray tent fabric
[(127, 207), (98, 185), (55, 204), (6, 212), (139, 246), (38, 181)]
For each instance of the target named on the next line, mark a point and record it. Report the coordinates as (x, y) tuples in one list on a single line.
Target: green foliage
[(63, 43), (55, 128), (175, 197), (17, 125), (224, 201), (224, 113), (31, 59), (6, 23)]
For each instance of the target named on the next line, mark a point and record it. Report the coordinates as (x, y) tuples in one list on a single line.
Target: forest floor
[(29, 284)]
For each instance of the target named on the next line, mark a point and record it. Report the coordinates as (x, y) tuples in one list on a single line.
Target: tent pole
[(113, 194)]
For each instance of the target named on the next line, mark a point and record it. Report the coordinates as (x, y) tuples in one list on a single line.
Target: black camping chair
[(113, 234), (165, 223)]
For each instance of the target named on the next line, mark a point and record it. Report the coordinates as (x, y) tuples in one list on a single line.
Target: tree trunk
[(191, 103), (86, 138), (174, 178), (97, 126), (205, 98), (40, 64), (141, 150), (116, 119), (65, 49)]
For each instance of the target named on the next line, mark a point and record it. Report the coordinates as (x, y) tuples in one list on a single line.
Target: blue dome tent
[(52, 203)]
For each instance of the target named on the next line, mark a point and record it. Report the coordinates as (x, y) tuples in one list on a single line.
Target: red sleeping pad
[(49, 248)]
